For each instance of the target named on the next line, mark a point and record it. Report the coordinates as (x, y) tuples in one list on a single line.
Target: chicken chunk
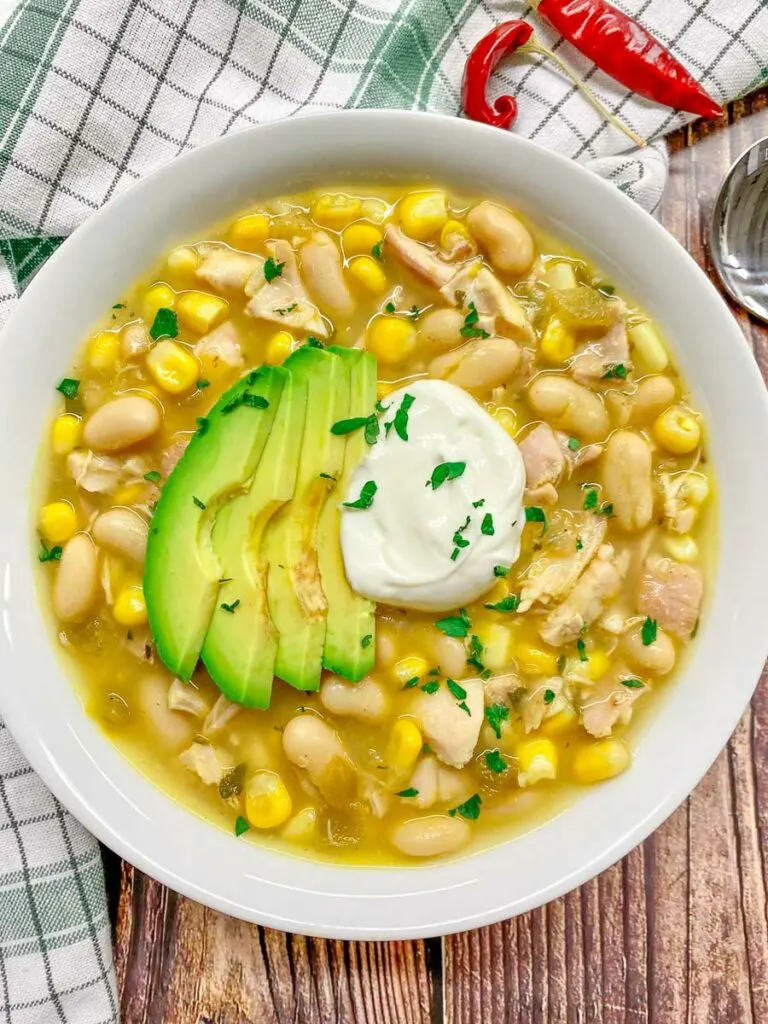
[(436, 784), (186, 697), (203, 760), (418, 258), (683, 495), (226, 269), (451, 730), (497, 307), (554, 573), (502, 689), (103, 474), (601, 355), (221, 346), (607, 704), (541, 701), (284, 300), (220, 715), (600, 582), (544, 463), (671, 594)]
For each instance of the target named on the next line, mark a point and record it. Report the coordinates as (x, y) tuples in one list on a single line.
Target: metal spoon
[(739, 238)]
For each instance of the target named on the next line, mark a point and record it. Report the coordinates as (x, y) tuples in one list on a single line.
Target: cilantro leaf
[(495, 761), (506, 604), (581, 647), (49, 554), (648, 631), (495, 715), (400, 421), (455, 625), (413, 681), (199, 503), (591, 499), (574, 444), (202, 425), (272, 269), (633, 684), (487, 526), (432, 686), (408, 792), (458, 691), (68, 387), (377, 251), (153, 476), (470, 809), (534, 514), (165, 324), (501, 570), (230, 607), (549, 696), (202, 384), (616, 372), (241, 825), (367, 640), (445, 471), (470, 328), (342, 427), (366, 496), (390, 307)]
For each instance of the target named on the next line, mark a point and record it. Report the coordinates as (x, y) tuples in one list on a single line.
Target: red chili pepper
[(500, 42), (628, 52)]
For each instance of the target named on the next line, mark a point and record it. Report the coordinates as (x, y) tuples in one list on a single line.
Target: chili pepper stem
[(600, 107)]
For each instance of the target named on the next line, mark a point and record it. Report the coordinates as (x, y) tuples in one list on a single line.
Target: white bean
[(441, 329), (451, 656), (312, 745), (322, 272), (122, 531), (77, 579), (569, 406), (121, 423), (482, 364), (653, 396), (657, 659), (365, 700), (432, 836), (627, 469), (506, 240)]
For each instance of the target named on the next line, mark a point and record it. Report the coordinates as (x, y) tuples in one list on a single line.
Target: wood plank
[(677, 931)]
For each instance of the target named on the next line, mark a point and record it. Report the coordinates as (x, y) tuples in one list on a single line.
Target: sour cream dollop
[(408, 547)]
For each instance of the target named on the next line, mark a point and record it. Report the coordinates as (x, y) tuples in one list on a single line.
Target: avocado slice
[(350, 631), (241, 643), (181, 578), (297, 602)]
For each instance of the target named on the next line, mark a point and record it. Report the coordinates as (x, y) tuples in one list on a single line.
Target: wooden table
[(677, 932)]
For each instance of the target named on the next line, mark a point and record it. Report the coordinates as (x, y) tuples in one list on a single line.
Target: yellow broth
[(125, 687)]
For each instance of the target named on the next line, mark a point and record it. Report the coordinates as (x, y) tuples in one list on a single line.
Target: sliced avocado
[(181, 579), (350, 630), (241, 643), (297, 602)]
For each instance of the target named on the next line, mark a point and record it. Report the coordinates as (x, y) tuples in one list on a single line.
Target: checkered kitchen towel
[(93, 95)]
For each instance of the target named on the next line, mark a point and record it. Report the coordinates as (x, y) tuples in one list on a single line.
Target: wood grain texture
[(676, 932)]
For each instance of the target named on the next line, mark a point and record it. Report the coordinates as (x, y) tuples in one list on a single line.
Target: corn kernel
[(557, 343), (560, 275), (648, 352), (375, 209), (201, 311), (250, 231), (174, 368), (336, 211), (404, 747), (534, 661), (422, 214), (601, 760), (681, 548), (103, 352), (65, 433), (410, 666), (279, 347), (677, 430), (159, 296), (507, 419), (454, 238), (129, 608), (58, 522), (559, 722), (359, 239), (597, 665), (536, 761), (267, 800), (183, 260), (368, 274), (391, 339), (128, 495)]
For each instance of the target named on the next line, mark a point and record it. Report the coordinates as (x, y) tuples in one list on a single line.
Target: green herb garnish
[(400, 421), (377, 251), (606, 509), (408, 792), (606, 288), (495, 715), (241, 825), (470, 328), (487, 526), (470, 809), (328, 476), (198, 503), (245, 398), (287, 309), (648, 631), (230, 607), (445, 471), (119, 305), (272, 269), (430, 687), (232, 783), (495, 761), (49, 554), (202, 384), (165, 324), (617, 372), (367, 423), (313, 342), (501, 570), (366, 496), (458, 691), (455, 625), (413, 681), (579, 543), (549, 696), (389, 308), (591, 500), (581, 647), (506, 604), (153, 476), (633, 684), (367, 640), (68, 387), (202, 425), (534, 514), (475, 651), (574, 444)]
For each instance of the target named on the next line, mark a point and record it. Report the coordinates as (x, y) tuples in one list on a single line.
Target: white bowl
[(145, 826)]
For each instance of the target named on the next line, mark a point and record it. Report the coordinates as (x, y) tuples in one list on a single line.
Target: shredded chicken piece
[(449, 729), (500, 689), (552, 575), (544, 464), (227, 269), (602, 354), (220, 715), (600, 582), (103, 474), (681, 500), (284, 300), (607, 703), (583, 455), (221, 345), (172, 454), (203, 760), (436, 784), (138, 642), (671, 593), (186, 697), (418, 258), (477, 284), (542, 701)]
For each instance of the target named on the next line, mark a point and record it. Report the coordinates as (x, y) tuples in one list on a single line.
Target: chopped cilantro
[(328, 476), (486, 526), (590, 499), (119, 305), (470, 328), (371, 429), (574, 444), (455, 625), (445, 471), (49, 554), (458, 691), (579, 543), (202, 384), (368, 423), (430, 687), (478, 504), (495, 761), (606, 288), (616, 372), (68, 387), (230, 607), (506, 604), (381, 408), (272, 269), (464, 707), (495, 715), (367, 640), (581, 647), (633, 684), (245, 398), (202, 425), (408, 792), (366, 496), (153, 476), (241, 825), (501, 570), (476, 649), (606, 509), (549, 696), (414, 312), (534, 514), (470, 809), (165, 324), (434, 671), (313, 342), (648, 631), (400, 421), (378, 251), (232, 783), (287, 309), (390, 307), (198, 503), (413, 681)]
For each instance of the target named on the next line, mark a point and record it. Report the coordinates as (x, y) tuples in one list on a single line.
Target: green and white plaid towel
[(93, 95)]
